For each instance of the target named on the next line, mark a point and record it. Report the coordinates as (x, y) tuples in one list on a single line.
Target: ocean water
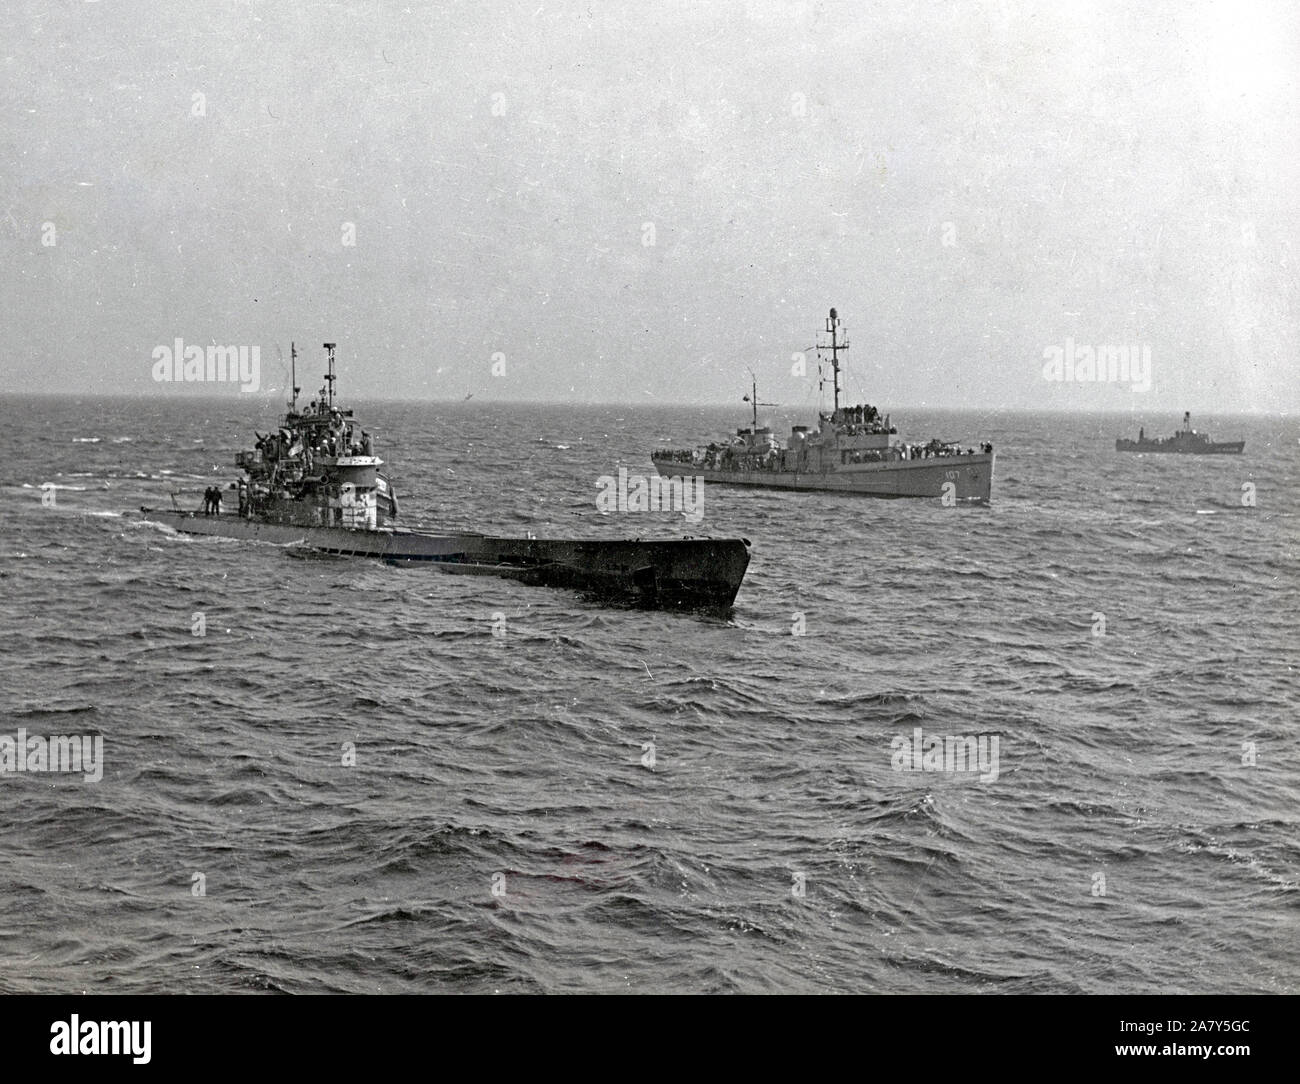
[(350, 783)]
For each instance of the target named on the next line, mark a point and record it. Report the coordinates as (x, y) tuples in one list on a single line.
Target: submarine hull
[(688, 573)]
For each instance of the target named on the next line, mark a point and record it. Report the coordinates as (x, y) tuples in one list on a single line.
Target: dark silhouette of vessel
[(1186, 441), (317, 483)]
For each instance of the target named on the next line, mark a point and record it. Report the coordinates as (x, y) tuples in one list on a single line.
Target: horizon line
[(230, 399)]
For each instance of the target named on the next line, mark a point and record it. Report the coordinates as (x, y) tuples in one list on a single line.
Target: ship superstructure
[(319, 469)]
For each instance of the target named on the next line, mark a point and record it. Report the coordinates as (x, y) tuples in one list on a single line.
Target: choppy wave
[(378, 793)]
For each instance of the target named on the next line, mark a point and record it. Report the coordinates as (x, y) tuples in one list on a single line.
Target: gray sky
[(970, 184)]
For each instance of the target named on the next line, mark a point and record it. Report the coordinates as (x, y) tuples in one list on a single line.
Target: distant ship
[(849, 452), (316, 485), (1187, 441)]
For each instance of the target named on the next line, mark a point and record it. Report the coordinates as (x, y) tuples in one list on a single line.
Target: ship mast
[(329, 376), (752, 399), (832, 326), (293, 378)]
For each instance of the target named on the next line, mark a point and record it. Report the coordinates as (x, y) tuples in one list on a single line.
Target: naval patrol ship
[(316, 486), (1187, 441), (851, 450)]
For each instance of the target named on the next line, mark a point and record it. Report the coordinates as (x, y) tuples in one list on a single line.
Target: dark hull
[(689, 573), (1209, 448)]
